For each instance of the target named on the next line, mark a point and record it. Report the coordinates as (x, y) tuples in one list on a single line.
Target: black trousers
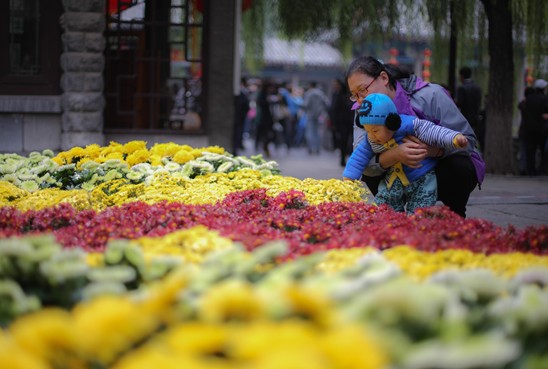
[(456, 178)]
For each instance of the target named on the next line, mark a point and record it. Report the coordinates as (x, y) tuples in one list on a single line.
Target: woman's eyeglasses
[(362, 91)]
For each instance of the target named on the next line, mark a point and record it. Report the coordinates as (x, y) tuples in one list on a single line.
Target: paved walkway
[(503, 200)]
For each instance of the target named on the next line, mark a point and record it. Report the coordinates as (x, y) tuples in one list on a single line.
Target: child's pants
[(419, 194)]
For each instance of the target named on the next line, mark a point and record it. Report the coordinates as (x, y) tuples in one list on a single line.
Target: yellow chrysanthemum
[(204, 189), (10, 193), (265, 338), (192, 245), (95, 259), (302, 302), (116, 155), (214, 149), (47, 334), (13, 356), (137, 157), (296, 357), (110, 325), (197, 338), (183, 156), (158, 357), (155, 160), (421, 265), (71, 156), (231, 300), (337, 260), (164, 149), (92, 151), (348, 346), (133, 146), (49, 197), (162, 295), (82, 161)]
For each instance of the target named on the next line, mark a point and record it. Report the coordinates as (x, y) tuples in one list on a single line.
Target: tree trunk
[(451, 75), (218, 70), (498, 152)]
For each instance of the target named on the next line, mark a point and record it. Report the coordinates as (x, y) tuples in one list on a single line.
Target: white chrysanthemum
[(135, 176), (27, 176), (8, 168), (30, 186), (112, 163), (90, 165), (161, 170), (49, 153), (112, 174), (142, 167), (39, 169), (12, 178), (225, 167), (172, 166), (66, 167), (246, 162)]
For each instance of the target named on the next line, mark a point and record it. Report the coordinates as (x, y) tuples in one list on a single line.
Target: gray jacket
[(428, 101)]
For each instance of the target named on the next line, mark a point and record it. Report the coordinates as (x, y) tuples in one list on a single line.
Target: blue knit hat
[(375, 108)]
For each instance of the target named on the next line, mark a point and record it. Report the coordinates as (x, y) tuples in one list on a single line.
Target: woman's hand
[(409, 153), (412, 151), (433, 152)]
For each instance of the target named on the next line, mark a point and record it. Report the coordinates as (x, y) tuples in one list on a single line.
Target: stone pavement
[(504, 200)]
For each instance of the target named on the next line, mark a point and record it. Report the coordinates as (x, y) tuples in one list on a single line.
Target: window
[(153, 64), (31, 34)]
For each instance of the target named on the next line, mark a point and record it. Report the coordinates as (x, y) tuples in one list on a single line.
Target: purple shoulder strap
[(403, 101)]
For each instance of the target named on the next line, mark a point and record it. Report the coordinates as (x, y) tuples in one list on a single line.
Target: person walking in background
[(468, 99), (265, 129), (534, 117), (315, 106), (293, 98), (241, 108), (544, 157), (458, 172), (404, 188), (341, 116), (522, 163)]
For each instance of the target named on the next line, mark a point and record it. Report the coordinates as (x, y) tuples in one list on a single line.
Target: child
[(403, 186)]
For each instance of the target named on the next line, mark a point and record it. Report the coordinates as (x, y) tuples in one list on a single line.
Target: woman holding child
[(457, 171)]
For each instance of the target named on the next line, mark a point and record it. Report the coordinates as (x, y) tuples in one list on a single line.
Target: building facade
[(78, 72)]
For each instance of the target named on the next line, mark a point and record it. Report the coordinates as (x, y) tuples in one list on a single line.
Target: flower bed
[(128, 257)]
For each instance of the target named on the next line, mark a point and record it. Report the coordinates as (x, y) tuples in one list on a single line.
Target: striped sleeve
[(434, 135)]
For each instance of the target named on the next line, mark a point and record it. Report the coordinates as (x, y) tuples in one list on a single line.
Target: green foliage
[(252, 31), (376, 20), (305, 18), (36, 272), (529, 17)]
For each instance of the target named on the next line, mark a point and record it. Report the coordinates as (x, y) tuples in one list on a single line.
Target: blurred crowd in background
[(274, 115)]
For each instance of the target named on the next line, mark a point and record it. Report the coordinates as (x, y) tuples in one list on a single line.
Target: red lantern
[(394, 53), (529, 76), (426, 63)]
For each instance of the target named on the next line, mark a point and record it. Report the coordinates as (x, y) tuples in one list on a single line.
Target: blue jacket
[(363, 153), (430, 101)]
